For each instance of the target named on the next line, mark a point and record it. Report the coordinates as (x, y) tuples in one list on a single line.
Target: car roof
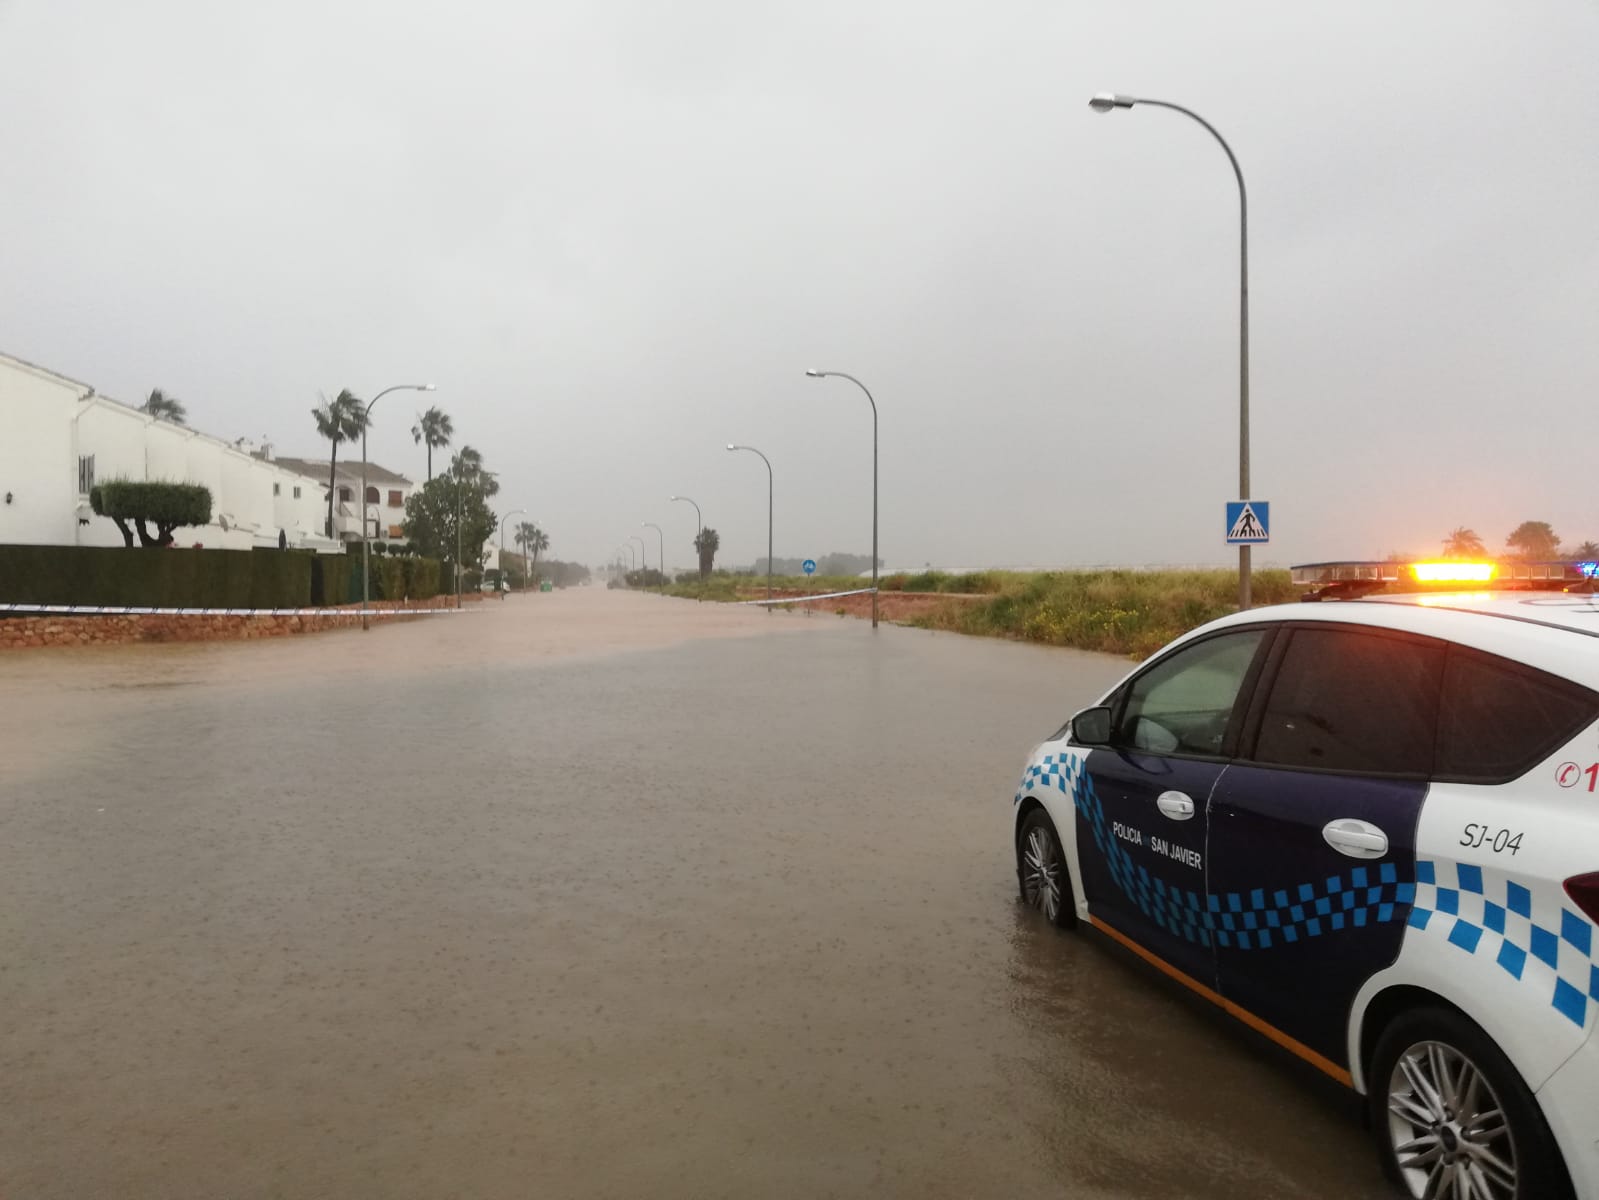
[(1553, 631)]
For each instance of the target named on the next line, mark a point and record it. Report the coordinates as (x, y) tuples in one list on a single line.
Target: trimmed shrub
[(133, 506)]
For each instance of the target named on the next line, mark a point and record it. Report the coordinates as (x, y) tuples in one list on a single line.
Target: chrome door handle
[(1358, 839), (1175, 805)]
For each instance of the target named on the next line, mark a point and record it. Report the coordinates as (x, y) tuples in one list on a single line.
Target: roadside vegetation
[(1117, 612)]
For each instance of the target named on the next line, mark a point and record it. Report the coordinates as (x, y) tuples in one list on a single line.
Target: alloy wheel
[(1042, 875), (1450, 1135)]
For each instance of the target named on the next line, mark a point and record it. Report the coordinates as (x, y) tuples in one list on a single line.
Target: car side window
[(1353, 700), (1500, 719), (1183, 703)]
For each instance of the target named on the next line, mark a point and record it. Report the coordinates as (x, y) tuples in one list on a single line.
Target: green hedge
[(389, 577), (330, 581), (169, 578)]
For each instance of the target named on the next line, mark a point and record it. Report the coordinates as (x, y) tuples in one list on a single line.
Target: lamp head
[(1104, 102), (814, 373), (730, 446), (428, 387)]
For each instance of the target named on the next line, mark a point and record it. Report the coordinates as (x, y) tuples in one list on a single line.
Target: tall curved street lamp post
[(768, 463), (841, 375), (661, 538), (366, 548), (643, 554), (514, 512), (699, 520), (1106, 102)]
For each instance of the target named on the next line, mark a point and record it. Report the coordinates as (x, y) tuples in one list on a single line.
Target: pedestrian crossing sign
[(1248, 522)]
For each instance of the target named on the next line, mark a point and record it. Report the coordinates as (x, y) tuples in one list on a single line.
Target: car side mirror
[(1091, 727)]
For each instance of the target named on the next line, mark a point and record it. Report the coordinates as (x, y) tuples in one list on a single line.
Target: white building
[(386, 494), (58, 438)]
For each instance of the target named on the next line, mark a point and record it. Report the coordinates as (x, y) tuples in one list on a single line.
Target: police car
[(1369, 830)]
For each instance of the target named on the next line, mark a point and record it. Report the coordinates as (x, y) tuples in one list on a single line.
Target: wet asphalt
[(696, 903)]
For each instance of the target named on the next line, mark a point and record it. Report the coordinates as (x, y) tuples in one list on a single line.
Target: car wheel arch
[(1386, 1007)]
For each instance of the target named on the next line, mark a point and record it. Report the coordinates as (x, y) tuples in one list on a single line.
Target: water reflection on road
[(583, 895)]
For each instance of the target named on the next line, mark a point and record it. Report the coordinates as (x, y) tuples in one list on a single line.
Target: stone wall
[(53, 629)]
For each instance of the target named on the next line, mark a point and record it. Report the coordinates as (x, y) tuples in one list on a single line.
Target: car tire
[(1456, 1109), (1042, 879)]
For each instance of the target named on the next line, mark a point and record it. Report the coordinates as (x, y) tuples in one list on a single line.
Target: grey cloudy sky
[(616, 232)]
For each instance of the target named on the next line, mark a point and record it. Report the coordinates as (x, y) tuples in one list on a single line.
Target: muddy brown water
[(587, 895)]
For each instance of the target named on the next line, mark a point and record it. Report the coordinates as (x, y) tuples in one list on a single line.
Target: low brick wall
[(60, 630)]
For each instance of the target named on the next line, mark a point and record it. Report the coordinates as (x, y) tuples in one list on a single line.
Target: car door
[(1142, 814), (1313, 828)]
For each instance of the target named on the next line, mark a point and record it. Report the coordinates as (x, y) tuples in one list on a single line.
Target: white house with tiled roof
[(386, 494), (58, 438)]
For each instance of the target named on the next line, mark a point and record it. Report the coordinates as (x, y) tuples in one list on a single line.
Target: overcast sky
[(616, 232)]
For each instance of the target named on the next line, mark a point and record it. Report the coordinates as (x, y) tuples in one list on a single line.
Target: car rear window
[(1353, 700), (1499, 719)]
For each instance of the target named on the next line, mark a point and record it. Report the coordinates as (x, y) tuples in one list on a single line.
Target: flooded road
[(584, 895)]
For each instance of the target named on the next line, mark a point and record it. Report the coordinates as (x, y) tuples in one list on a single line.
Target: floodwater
[(584, 895)]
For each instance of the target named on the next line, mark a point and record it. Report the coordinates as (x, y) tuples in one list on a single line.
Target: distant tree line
[(1531, 541)]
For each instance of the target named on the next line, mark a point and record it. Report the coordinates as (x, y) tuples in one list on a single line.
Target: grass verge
[(1118, 612)]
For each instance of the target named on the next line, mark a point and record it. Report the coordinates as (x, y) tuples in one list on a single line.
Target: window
[(346, 494), (1499, 719), (395, 499), (1353, 700), (296, 493), (277, 489), (1182, 704), (396, 531), (372, 495), (85, 474)]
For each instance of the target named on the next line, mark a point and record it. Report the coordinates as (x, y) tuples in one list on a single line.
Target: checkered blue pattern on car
[(1253, 920), (1496, 917)]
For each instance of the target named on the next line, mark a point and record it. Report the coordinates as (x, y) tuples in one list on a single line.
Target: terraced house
[(61, 437)]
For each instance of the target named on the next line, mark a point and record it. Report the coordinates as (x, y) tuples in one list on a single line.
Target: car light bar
[(1357, 577), (1452, 572)]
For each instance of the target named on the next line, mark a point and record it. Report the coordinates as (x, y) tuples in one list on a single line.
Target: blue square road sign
[(1248, 522)]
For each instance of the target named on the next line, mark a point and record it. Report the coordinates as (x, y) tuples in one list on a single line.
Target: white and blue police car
[(1370, 831)]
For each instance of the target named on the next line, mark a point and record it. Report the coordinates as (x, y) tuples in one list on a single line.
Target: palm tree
[(537, 541), (469, 463), (165, 408), (1463, 543), (340, 419), (707, 542), (1587, 552), (434, 428), (525, 530)]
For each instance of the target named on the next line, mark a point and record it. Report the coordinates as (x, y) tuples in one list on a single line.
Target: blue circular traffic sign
[(809, 566)]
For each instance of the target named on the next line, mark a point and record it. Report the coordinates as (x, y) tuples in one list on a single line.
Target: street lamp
[(643, 555), (1106, 102), (814, 374), (366, 552), (458, 468), (503, 520), (661, 538), (698, 518), (768, 463)]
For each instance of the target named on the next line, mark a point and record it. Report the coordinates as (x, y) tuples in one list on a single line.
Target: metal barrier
[(803, 599)]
